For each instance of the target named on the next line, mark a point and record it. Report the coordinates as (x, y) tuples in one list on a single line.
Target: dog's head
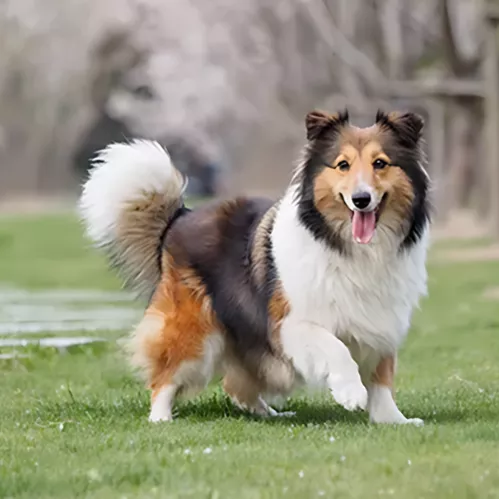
[(355, 181)]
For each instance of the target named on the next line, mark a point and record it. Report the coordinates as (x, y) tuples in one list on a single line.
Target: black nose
[(361, 200)]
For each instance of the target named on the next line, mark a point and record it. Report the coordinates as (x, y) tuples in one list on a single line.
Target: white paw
[(399, 421), (350, 394), (156, 417), (414, 421), (395, 418)]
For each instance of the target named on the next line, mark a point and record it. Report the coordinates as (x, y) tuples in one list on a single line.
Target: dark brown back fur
[(216, 241)]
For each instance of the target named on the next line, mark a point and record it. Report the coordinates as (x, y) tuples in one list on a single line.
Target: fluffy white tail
[(132, 193)]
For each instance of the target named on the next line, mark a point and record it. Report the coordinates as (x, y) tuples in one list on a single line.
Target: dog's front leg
[(381, 404), (322, 359)]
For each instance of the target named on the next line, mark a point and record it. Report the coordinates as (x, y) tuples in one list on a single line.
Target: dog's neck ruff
[(367, 295)]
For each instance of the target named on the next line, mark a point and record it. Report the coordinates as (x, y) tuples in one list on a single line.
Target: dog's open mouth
[(364, 223)]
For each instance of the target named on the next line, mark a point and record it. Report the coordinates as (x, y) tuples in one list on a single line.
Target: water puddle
[(59, 313), (50, 342)]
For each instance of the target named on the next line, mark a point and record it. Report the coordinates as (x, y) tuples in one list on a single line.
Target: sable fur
[(252, 288)]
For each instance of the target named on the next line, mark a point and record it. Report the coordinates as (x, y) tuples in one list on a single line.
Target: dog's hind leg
[(323, 360), (162, 400), (177, 344), (245, 392)]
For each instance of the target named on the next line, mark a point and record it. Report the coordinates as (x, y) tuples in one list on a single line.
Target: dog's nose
[(361, 200)]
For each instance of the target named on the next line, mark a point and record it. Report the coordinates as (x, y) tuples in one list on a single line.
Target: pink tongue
[(363, 226)]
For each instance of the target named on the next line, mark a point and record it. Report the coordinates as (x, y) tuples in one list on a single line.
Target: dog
[(316, 289)]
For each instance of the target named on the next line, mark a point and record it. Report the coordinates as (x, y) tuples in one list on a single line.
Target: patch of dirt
[(491, 293), (462, 224), (481, 254), (28, 205)]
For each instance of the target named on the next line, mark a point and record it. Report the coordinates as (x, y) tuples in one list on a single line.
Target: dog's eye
[(379, 164), (343, 166)]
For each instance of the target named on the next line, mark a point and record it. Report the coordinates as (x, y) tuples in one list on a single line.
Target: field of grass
[(75, 425)]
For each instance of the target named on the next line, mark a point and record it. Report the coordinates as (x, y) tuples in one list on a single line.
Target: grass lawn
[(76, 425)]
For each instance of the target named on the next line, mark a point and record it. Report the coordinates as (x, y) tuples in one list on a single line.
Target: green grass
[(76, 425), (49, 252)]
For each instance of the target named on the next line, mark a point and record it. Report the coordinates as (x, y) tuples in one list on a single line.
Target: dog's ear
[(407, 126), (318, 121)]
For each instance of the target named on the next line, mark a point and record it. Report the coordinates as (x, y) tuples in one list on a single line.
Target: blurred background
[(225, 85)]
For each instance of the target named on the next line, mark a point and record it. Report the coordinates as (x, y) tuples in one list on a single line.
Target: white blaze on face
[(363, 220)]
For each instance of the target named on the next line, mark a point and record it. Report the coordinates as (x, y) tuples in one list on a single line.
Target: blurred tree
[(236, 78)]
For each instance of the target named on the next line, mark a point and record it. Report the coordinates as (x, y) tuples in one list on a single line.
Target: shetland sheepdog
[(315, 289)]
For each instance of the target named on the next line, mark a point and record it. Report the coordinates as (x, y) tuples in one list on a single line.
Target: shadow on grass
[(320, 412), (206, 409), (214, 405), (306, 412)]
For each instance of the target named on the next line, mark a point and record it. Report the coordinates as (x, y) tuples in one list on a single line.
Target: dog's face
[(363, 178)]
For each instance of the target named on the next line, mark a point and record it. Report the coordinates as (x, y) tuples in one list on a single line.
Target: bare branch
[(342, 47)]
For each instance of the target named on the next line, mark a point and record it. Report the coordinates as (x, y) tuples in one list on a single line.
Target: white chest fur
[(367, 296)]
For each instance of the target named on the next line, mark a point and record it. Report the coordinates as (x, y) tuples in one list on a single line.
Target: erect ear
[(407, 126), (317, 121)]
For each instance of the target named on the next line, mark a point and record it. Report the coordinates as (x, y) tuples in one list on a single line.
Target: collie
[(315, 289)]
